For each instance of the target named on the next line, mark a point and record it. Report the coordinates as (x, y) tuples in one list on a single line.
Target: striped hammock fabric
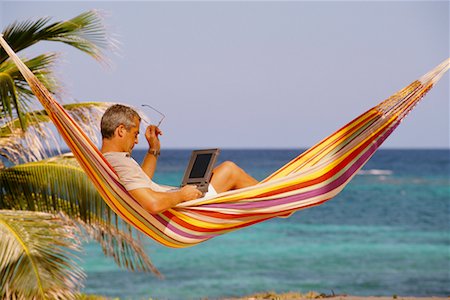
[(312, 178)]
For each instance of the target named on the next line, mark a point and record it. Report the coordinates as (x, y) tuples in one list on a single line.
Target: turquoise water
[(386, 233)]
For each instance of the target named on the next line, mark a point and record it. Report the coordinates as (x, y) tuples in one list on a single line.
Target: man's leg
[(228, 176)]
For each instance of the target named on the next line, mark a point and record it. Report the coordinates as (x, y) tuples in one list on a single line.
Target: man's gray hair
[(115, 116)]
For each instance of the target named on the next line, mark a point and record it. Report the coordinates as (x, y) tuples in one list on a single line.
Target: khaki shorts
[(211, 191)]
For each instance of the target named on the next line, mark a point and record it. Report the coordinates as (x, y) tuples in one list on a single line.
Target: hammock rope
[(312, 178)]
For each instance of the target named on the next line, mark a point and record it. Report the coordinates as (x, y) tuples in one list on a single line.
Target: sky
[(259, 74)]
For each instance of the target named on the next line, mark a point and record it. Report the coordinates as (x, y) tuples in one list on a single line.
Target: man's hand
[(190, 192), (152, 134)]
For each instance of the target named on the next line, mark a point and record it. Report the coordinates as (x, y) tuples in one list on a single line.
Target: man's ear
[(120, 130)]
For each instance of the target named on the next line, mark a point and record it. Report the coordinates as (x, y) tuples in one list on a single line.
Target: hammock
[(315, 176)]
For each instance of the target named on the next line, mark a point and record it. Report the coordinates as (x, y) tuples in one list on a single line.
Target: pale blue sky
[(260, 74)]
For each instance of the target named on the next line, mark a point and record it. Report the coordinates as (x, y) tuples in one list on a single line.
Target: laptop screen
[(200, 168), (200, 165)]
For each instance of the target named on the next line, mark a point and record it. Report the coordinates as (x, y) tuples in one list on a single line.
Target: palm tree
[(47, 205), (84, 32)]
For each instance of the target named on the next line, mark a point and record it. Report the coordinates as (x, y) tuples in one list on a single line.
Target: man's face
[(130, 137)]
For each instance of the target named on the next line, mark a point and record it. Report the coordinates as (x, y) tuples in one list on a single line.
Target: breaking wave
[(375, 172)]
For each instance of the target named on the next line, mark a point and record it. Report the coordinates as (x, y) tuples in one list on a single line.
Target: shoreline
[(314, 295)]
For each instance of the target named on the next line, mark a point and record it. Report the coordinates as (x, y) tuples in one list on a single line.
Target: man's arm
[(149, 163), (157, 202)]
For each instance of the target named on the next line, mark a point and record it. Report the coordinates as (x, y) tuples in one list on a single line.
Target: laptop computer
[(200, 167)]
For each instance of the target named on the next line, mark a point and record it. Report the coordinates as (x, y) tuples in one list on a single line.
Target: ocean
[(387, 233)]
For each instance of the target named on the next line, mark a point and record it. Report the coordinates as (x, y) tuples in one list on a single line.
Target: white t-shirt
[(131, 174)]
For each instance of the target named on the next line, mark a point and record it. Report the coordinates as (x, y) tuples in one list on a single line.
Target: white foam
[(375, 172)]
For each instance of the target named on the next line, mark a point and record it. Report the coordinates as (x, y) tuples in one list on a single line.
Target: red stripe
[(323, 177)]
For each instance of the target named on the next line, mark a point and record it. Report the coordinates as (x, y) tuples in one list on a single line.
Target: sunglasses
[(160, 113)]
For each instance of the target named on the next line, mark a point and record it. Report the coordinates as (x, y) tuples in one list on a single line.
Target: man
[(120, 130)]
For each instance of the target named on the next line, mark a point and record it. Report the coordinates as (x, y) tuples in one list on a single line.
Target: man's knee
[(228, 167)]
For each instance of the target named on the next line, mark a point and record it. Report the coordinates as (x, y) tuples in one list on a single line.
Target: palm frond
[(85, 32), (39, 141), (8, 95), (59, 184), (37, 256), (14, 90), (41, 66)]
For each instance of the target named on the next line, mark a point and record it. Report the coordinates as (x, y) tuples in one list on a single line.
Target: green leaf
[(85, 32), (59, 184), (14, 90), (37, 256), (8, 95)]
